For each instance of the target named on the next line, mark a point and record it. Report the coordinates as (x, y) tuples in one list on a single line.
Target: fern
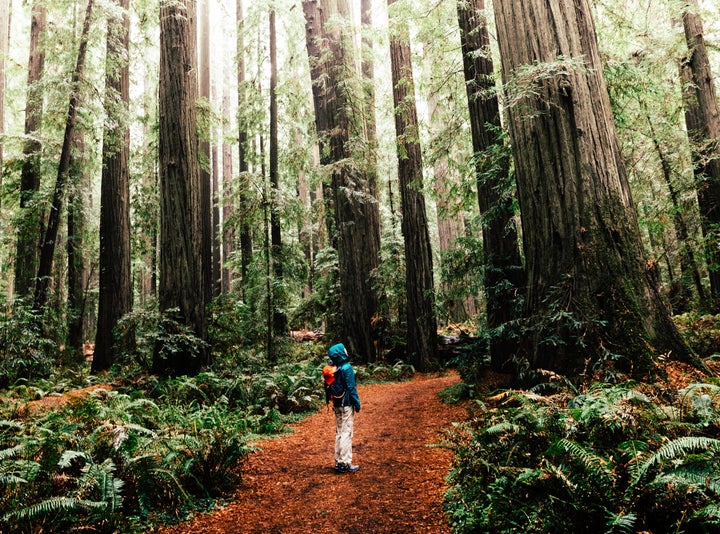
[(677, 448), (55, 504), (622, 523), (595, 466)]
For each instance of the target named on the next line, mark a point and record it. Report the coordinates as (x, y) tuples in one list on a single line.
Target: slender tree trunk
[(450, 224), (279, 316), (182, 289), (589, 296), (702, 115), (115, 297), (48, 246), (228, 232), (688, 265), (421, 323), (204, 150), (77, 275), (31, 228), (504, 278), (5, 11), (246, 242), (349, 196)]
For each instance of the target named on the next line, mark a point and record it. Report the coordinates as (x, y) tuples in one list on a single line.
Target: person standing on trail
[(344, 406)]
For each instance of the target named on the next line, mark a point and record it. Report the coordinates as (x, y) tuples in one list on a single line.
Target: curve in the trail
[(290, 486)]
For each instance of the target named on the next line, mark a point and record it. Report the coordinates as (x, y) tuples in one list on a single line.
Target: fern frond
[(56, 504), (676, 448), (594, 465), (6, 454), (711, 512), (505, 427), (621, 523), (68, 456)]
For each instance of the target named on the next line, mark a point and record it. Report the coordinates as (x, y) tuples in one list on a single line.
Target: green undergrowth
[(150, 449), (618, 458)]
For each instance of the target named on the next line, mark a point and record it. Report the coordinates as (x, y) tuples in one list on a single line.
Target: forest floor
[(289, 486)]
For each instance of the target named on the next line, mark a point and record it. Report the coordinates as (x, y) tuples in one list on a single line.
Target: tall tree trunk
[(115, 297), (279, 316), (421, 323), (5, 11), (688, 265), (450, 223), (504, 277), (228, 232), (204, 151), (76, 275), (702, 116), (371, 150), (246, 243), (589, 296), (31, 228), (182, 283), (48, 245), (349, 196)]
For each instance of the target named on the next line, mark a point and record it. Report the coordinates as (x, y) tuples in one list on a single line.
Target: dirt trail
[(290, 486)]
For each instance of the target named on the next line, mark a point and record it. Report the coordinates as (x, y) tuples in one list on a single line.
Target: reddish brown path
[(290, 487)]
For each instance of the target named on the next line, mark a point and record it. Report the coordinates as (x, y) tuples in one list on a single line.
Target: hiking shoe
[(346, 468)]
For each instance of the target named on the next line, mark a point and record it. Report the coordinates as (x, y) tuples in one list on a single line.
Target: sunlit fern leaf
[(677, 448), (68, 456), (621, 523)]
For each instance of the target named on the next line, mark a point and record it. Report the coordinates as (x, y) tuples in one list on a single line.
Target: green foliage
[(24, 352), (614, 459)]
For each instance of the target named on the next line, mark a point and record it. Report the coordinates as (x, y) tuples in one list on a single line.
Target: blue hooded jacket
[(340, 358)]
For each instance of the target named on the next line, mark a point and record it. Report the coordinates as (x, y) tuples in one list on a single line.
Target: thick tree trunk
[(31, 231), (182, 284), (504, 279), (421, 323), (702, 116), (350, 197), (589, 296), (115, 297), (47, 252)]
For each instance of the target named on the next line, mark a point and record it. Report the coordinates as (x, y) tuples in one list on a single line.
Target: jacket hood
[(338, 354)]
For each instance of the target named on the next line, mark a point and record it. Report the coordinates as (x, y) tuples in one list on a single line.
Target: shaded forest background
[(285, 251)]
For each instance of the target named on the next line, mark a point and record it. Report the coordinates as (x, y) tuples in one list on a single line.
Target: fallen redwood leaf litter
[(289, 486)]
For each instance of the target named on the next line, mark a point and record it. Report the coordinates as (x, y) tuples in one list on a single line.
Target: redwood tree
[(350, 198), (589, 296), (31, 229), (115, 297), (47, 251), (504, 277), (702, 116), (182, 289), (421, 324)]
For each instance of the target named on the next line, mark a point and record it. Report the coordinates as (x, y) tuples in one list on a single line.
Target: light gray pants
[(344, 423)]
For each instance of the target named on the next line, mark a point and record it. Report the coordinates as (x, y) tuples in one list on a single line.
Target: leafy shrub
[(614, 459)]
